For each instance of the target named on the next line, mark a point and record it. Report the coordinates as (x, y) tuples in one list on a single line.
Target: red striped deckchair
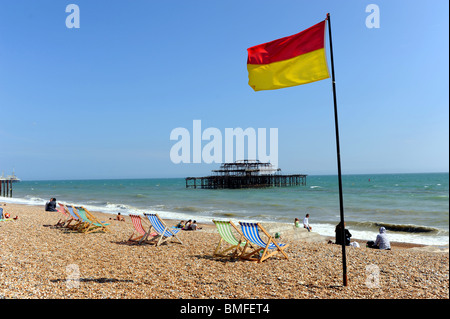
[(138, 235), (66, 219), (139, 231)]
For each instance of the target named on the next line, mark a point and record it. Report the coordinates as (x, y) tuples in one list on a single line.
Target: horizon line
[(179, 177)]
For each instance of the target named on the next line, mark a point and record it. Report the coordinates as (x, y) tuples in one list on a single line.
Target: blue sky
[(101, 101)]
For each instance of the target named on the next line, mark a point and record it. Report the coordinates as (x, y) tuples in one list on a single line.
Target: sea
[(414, 208)]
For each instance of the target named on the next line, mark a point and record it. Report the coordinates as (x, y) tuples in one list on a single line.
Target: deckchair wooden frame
[(68, 218), (92, 223), (226, 235), (79, 223), (164, 233), (255, 255), (84, 223)]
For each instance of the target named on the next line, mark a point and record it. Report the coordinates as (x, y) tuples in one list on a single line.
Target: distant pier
[(246, 174), (6, 184)]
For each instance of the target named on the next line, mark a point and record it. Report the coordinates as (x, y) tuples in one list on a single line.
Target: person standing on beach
[(306, 223), (50, 206)]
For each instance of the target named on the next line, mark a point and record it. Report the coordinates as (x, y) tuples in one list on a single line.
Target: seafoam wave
[(407, 228), (404, 209), (188, 209)]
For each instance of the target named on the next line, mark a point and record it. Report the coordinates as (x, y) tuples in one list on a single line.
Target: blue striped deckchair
[(75, 217), (164, 232), (251, 233), (91, 222), (226, 234)]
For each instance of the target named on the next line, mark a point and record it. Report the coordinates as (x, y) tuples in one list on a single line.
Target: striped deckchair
[(139, 232), (164, 232), (226, 234), (67, 218), (251, 233), (91, 223), (79, 223)]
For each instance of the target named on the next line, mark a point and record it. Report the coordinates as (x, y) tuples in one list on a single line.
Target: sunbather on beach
[(191, 225), (339, 229), (194, 226), (187, 226), (381, 242), (118, 217), (50, 206), (180, 224)]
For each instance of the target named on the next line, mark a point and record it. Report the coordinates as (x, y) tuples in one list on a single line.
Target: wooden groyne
[(246, 174)]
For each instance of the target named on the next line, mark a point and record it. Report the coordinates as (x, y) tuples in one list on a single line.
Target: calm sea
[(413, 207)]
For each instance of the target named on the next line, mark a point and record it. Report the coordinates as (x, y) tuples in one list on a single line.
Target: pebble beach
[(41, 261)]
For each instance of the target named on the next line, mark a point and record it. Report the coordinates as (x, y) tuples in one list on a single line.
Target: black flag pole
[(341, 203)]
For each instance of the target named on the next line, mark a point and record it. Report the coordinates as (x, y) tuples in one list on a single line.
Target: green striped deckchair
[(79, 222), (91, 222), (226, 234)]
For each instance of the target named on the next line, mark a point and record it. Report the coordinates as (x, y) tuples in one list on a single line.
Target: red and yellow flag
[(289, 61)]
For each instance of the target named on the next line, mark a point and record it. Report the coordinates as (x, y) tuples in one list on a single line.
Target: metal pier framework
[(246, 174)]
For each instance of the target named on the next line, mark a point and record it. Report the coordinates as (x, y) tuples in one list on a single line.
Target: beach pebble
[(39, 260)]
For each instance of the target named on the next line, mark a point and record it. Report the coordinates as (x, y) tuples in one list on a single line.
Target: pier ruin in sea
[(6, 184), (246, 174)]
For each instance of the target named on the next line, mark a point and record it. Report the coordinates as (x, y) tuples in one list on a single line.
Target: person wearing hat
[(381, 242)]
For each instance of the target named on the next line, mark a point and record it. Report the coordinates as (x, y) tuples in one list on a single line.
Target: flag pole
[(341, 204)]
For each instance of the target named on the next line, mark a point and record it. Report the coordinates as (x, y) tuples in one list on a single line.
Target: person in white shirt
[(381, 242), (306, 223)]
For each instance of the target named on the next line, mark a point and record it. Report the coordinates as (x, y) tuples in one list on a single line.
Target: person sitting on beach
[(306, 223), (187, 226), (342, 230), (297, 222), (194, 226), (119, 218), (50, 206), (180, 224), (381, 242), (191, 225)]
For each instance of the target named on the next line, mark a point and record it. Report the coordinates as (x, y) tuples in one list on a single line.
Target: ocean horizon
[(414, 207)]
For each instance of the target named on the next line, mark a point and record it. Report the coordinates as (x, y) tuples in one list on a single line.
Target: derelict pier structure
[(246, 174)]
